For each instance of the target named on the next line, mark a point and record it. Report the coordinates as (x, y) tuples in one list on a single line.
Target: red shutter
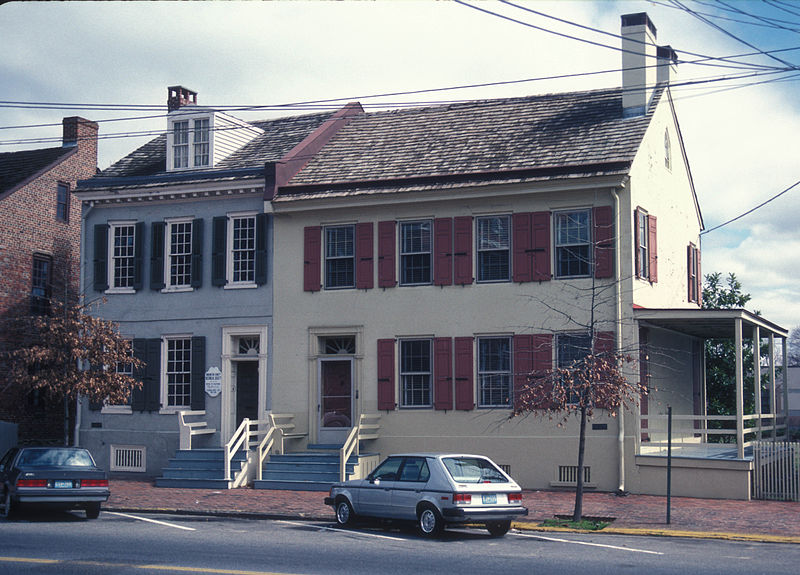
[(443, 373), (523, 364), (364, 259), (312, 246), (603, 242), (386, 374), (443, 251), (604, 343), (652, 248), (542, 351), (462, 258), (463, 372), (386, 254), (541, 246), (521, 238)]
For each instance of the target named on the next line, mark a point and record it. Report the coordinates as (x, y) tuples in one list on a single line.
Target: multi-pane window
[(62, 202), (494, 371), (415, 372), (179, 247), (125, 368), (667, 151), (180, 144), (415, 253), (179, 372), (572, 348), (201, 142), (573, 242), (40, 284), (122, 255), (340, 257), (243, 249), (494, 248), (643, 245)]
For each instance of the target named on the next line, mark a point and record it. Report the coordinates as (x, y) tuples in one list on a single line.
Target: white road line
[(151, 520), (341, 530), (557, 540)]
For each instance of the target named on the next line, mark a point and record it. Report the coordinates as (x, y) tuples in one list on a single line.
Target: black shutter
[(219, 250), (101, 257), (138, 394), (261, 249), (138, 256), (152, 377), (157, 255), (197, 253), (198, 372)]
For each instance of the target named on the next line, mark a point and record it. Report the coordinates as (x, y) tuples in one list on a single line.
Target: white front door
[(335, 399)]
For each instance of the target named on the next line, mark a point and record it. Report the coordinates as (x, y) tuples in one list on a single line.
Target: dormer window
[(191, 135), (201, 142), (180, 145)]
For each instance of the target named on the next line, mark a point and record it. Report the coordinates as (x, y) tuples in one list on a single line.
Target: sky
[(113, 61)]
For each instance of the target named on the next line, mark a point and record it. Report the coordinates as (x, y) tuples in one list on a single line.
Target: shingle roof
[(568, 133), (16, 167), (279, 137)]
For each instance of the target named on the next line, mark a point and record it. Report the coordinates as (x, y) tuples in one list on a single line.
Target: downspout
[(618, 334), (76, 435)]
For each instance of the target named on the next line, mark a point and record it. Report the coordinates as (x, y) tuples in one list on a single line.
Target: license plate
[(489, 498), (62, 484)]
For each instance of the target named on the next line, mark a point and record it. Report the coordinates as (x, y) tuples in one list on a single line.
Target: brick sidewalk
[(633, 511)]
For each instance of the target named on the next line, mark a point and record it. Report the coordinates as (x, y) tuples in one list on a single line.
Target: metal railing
[(776, 470), (363, 431)]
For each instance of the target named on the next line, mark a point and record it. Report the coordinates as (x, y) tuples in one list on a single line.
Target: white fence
[(776, 470)]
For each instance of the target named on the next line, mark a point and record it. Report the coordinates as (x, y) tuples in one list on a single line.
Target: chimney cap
[(667, 53), (638, 19), (179, 96)]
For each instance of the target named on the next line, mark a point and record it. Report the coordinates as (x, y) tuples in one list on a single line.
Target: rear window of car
[(473, 470), (55, 458)]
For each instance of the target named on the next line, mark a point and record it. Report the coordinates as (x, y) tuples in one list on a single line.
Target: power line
[(750, 211)]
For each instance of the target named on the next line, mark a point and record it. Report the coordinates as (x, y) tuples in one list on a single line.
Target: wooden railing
[(363, 431)]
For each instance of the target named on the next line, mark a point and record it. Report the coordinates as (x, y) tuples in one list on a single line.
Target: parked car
[(53, 477), (433, 490)]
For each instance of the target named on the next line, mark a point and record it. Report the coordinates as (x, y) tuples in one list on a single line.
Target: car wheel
[(430, 522), (498, 528), (8, 510), (344, 513), (92, 510)]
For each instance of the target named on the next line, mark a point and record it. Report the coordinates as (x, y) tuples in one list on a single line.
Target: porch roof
[(709, 323)]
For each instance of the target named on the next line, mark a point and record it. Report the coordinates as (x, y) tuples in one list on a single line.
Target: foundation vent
[(568, 476), (128, 458)]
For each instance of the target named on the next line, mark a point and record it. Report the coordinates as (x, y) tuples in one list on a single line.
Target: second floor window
[(243, 249), (122, 255), (415, 253), (179, 253), (41, 284), (642, 245), (494, 249), (201, 142), (180, 144), (573, 243), (340, 257), (416, 372), (62, 202)]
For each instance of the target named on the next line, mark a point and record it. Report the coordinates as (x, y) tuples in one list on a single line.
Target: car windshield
[(473, 470), (55, 458)]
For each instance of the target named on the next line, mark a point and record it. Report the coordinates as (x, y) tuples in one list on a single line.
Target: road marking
[(176, 568), (151, 521), (344, 530), (557, 540)]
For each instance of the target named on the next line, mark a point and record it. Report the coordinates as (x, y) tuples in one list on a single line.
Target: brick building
[(40, 254)]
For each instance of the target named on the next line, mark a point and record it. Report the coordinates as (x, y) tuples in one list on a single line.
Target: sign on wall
[(213, 381)]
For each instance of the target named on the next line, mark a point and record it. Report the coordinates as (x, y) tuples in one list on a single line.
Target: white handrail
[(351, 444), (264, 447), (240, 436)]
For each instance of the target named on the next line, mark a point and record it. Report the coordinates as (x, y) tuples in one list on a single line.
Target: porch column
[(772, 403), (785, 349), (739, 388), (757, 376)]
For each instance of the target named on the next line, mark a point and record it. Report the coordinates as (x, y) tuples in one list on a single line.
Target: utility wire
[(778, 4), (750, 211)]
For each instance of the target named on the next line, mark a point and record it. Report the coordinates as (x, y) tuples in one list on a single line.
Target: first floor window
[(179, 254), (122, 255), (179, 372), (62, 202), (415, 372), (415, 253), (494, 371), (41, 284), (573, 242), (243, 249), (340, 257), (572, 348), (494, 249)]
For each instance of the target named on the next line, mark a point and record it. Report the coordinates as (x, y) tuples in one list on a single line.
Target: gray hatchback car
[(432, 489)]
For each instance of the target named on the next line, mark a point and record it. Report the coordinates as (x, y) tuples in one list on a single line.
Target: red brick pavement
[(631, 511)]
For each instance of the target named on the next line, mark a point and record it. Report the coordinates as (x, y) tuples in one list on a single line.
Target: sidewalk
[(772, 521)]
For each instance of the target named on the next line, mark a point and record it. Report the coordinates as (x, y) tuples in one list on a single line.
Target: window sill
[(181, 289), (240, 286), (120, 291), (117, 409)]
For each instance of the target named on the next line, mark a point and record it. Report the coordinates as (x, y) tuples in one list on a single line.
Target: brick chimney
[(638, 63), (178, 97)]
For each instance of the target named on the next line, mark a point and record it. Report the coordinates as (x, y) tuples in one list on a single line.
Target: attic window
[(191, 143), (667, 150)]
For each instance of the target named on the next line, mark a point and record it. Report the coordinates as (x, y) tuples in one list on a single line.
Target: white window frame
[(643, 247), (559, 245), (124, 408), (165, 384), (404, 374), (229, 267), (168, 255), (404, 254), (491, 373), (201, 142), (480, 250), (112, 227), (561, 363), (194, 140), (351, 257)]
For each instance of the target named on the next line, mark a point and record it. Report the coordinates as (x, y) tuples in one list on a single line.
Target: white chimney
[(667, 64), (639, 63)]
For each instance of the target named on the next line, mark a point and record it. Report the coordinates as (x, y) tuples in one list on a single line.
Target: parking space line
[(342, 530), (151, 521), (558, 540)]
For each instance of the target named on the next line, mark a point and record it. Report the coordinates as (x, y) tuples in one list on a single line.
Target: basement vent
[(569, 474), (128, 458), (505, 468)]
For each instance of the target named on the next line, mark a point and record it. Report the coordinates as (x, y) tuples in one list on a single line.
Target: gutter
[(618, 334)]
